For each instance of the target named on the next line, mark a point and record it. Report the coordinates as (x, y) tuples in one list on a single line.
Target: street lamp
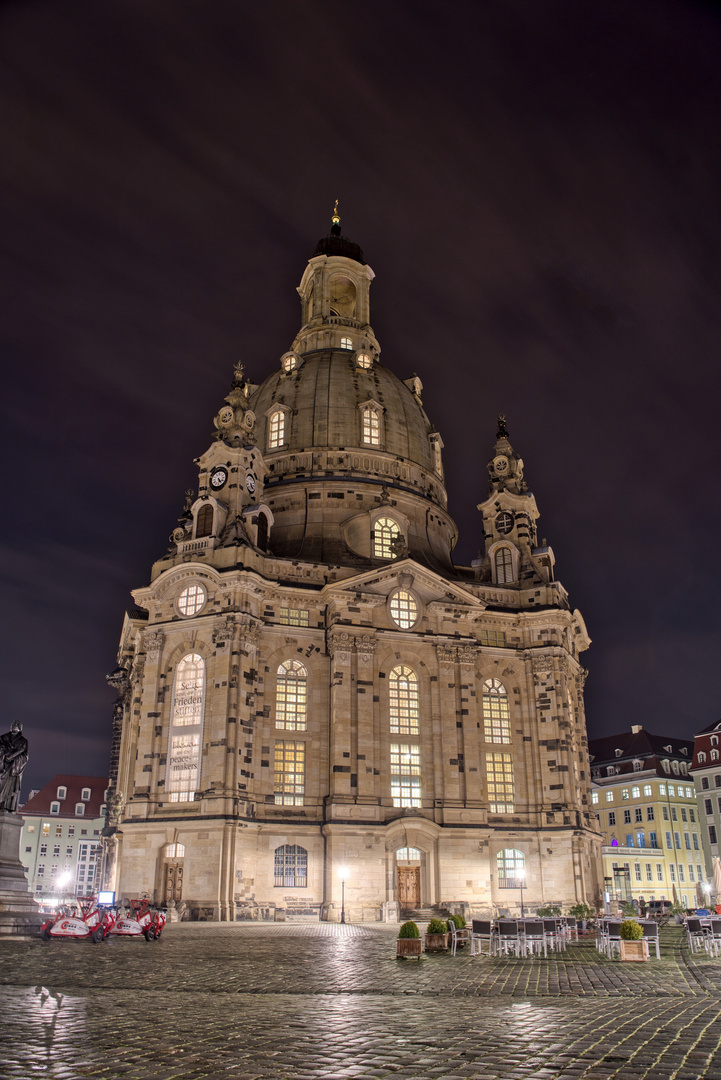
[(343, 871), (521, 878)]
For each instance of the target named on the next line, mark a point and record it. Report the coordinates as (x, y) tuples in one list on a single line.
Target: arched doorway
[(173, 873), (408, 877)]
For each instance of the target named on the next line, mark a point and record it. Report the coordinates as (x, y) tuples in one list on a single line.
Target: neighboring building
[(310, 691), (707, 776), (60, 845), (645, 803)]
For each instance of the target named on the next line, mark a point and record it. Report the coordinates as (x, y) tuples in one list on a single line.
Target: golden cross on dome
[(336, 216)]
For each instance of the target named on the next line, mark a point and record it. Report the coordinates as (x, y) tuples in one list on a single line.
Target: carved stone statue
[(13, 759)]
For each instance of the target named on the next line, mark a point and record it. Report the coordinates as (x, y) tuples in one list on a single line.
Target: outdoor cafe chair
[(650, 933), (510, 938), (555, 935), (535, 937), (698, 936), (612, 938), (714, 935), (482, 933), (457, 936)]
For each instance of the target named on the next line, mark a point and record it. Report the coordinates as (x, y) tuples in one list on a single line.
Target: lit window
[(496, 712), (714, 757), (662, 789), (404, 610), (504, 566), (609, 796), (346, 343), (293, 617), (45, 829), (174, 851), (672, 790), (289, 773), (62, 793), (187, 713), (276, 429), (386, 538), (204, 521), (364, 360), (371, 422), (408, 854), (54, 807), (405, 774), (403, 701), (511, 866), (636, 792), (647, 789), (495, 638), (499, 778), (624, 794), (291, 867), (689, 793), (291, 696), (191, 600), (594, 797), (79, 809), (290, 363)]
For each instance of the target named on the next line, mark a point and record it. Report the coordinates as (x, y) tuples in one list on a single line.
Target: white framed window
[(291, 696), (404, 609), (79, 809), (174, 851), (403, 701), (191, 600), (291, 867), (370, 426), (499, 780), (405, 774), (62, 793), (408, 855), (701, 756), (636, 792), (183, 770), (346, 343), (503, 561), (387, 537), (609, 796), (496, 712), (594, 798), (276, 429), (54, 807), (510, 868), (289, 772), (85, 794)]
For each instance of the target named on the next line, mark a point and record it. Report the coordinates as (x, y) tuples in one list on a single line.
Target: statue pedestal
[(19, 914)]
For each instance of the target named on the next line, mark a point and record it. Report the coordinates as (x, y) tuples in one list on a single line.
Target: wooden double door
[(409, 886)]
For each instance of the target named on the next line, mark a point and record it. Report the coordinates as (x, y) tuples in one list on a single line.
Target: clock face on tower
[(250, 483), (218, 477)]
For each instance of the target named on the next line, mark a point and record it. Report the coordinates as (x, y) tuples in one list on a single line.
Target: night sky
[(537, 188)]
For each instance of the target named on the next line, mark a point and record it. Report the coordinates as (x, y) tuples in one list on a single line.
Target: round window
[(404, 609), (290, 363), (364, 360), (191, 600), (504, 522)]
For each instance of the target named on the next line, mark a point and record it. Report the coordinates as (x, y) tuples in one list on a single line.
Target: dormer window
[(79, 809), (665, 765), (714, 755), (637, 766), (619, 753), (674, 766), (204, 521), (289, 362), (387, 537), (371, 425), (54, 807), (85, 794), (714, 740), (346, 343), (610, 770), (364, 360), (62, 793), (701, 757), (276, 429)]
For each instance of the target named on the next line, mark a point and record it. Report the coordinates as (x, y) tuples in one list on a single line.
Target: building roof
[(637, 744), (716, 726), (39, 804)]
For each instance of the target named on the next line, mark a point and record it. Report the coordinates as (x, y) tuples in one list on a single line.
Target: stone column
[(19, 914)]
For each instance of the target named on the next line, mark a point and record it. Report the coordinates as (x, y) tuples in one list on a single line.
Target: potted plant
[(633, 944), (677, 910), (409, 941), (437, 936), (582, 912)]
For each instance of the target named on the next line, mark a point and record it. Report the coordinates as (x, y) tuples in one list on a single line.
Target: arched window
[(403, 694), (291, 696), (496, 713), (291, 867), (714, 755), (346, 343), (262, 525), (511, 868), (174, 851), (504, 565), (408, 854), (404, 610), (276, 429), (637, 766), (186, 728), (371, 423), (204, 521), (701, 756), (387, 537)]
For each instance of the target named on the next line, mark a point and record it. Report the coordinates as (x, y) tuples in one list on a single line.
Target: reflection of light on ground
[(47, 1022)]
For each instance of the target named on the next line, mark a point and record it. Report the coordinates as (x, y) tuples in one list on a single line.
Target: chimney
[(635, 729)]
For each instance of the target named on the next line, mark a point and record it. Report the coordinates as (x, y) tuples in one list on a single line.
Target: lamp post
[(343, 871), (521, 878)]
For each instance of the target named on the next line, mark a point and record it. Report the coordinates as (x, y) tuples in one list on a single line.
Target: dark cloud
[(536, 187)]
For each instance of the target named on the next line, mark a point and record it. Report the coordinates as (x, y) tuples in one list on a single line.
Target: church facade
[(318, 713)]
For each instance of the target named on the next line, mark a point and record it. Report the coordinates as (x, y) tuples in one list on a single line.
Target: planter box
[(634, 950), (411, 947), (437, 942)]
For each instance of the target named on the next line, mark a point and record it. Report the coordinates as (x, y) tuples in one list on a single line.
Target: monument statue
[(13, 759)]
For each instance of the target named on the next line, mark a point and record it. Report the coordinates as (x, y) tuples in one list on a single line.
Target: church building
[(318, 713)]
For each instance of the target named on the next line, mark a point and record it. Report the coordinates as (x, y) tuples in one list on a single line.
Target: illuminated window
[(405, 774), (403, 695), (404, 610), (594, 797), (289, 773), (609, 796), (291, 867), (290, 363), (636, 792), (204, 521), (371, 426), (276, 429), (495, 638), (386, 538), (408, 854), (291, 696), (496, 713), (346, 343), (504, 566), (174, 851), (647, 789), (293, 617), (624, 794), (499, 778), (364, 360), (45, 829), (510, 865), (183, 770), (191, 600)]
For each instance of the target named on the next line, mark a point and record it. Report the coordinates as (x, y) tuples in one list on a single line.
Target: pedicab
[(79, 919), (140, 920)]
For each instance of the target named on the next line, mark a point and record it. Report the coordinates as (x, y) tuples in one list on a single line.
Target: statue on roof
[(13, 759)]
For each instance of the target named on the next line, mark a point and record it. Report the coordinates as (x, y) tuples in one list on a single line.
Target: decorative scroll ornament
[(467, 654), (542, 665), (223, 630), (153, 641), (365, 647), (340, 645), (446, 654)]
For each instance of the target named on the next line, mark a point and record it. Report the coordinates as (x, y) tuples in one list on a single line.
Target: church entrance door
[(409, 886), (173, 882)]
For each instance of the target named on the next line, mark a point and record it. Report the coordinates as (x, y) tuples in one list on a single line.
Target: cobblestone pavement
[(311, 1001)]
